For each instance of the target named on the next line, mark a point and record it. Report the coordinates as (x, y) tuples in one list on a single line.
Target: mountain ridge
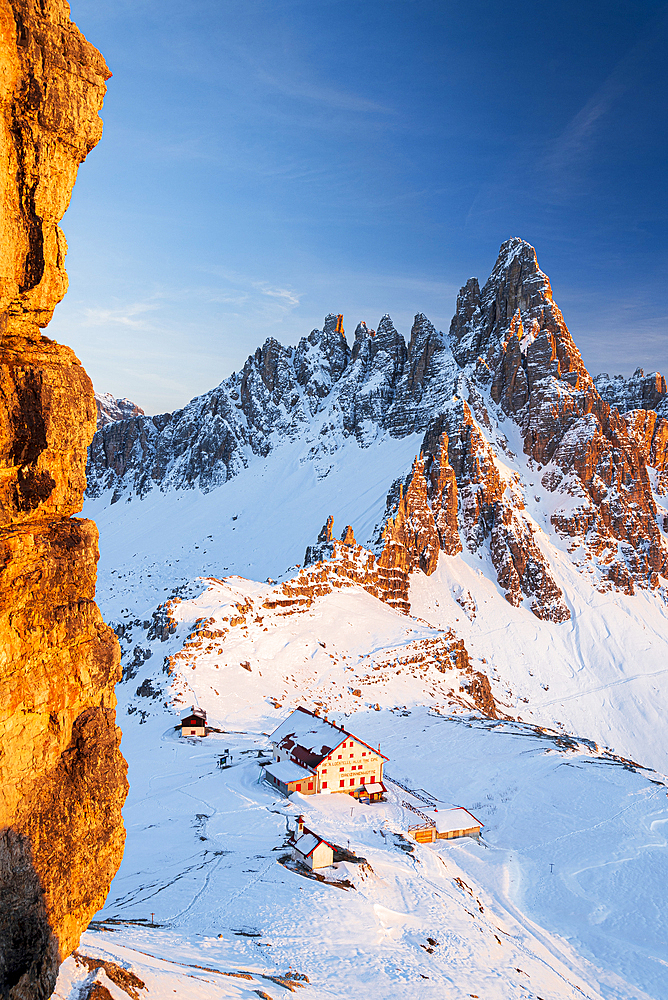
[(508, 355)]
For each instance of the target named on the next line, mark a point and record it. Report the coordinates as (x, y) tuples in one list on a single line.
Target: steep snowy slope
[(600, 673)]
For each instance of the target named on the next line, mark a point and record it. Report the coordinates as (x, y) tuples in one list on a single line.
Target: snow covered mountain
[(463, 548), (110, 409), (508, 370)]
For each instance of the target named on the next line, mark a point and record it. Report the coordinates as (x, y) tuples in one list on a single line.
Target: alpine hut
[(193, 722), (312, 755), (447, 824), (457, 822)]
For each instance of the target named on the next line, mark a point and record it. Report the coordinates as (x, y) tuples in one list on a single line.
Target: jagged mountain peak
[(515, 311), (516, 250), (516, 283), (110, 409), (640, 391)]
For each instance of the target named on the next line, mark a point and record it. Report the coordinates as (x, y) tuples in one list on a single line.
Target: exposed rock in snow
[(332, 563), (110, 409)]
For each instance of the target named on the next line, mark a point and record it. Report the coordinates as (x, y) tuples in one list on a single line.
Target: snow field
[(600, 675), (257, 525), (346, 642), (203, 848)]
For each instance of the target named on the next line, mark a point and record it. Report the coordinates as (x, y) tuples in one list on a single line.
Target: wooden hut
[(371, 791), (446, 825)]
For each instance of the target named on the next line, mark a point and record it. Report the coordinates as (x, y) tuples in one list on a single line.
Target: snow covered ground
[(257, 525), (564, 895), (562, 898), (599, 675)]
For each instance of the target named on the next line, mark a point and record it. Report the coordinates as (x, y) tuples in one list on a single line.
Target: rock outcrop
[(643, 401), (423, 517), (650, 433), (330, 564), (110, 409), (62, 777)]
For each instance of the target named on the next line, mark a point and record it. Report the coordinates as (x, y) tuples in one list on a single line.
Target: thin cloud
[(129, 315), (573, 147), (330, 97), (576, 141), (541, 174), (285, 294)]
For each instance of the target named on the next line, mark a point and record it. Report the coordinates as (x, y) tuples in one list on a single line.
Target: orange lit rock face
[(51, 86), (424, 521), (650, 432), (62, 777), (512, 336), (331, 564), (488, 507), (52, 90)]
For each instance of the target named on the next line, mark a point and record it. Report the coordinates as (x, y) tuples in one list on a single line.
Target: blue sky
[(265, 162)]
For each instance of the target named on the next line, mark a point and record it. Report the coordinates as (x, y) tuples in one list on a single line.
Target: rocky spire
[(514, 329), (513, 340), (348, 535)]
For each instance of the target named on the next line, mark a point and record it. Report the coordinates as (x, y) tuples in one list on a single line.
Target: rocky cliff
[(507, 370), (643, 401), (62, 777)]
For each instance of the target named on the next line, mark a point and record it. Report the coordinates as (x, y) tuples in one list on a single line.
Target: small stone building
[(193, 722)]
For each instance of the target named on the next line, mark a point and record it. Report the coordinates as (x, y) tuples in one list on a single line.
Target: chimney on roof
[(300, 826)]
